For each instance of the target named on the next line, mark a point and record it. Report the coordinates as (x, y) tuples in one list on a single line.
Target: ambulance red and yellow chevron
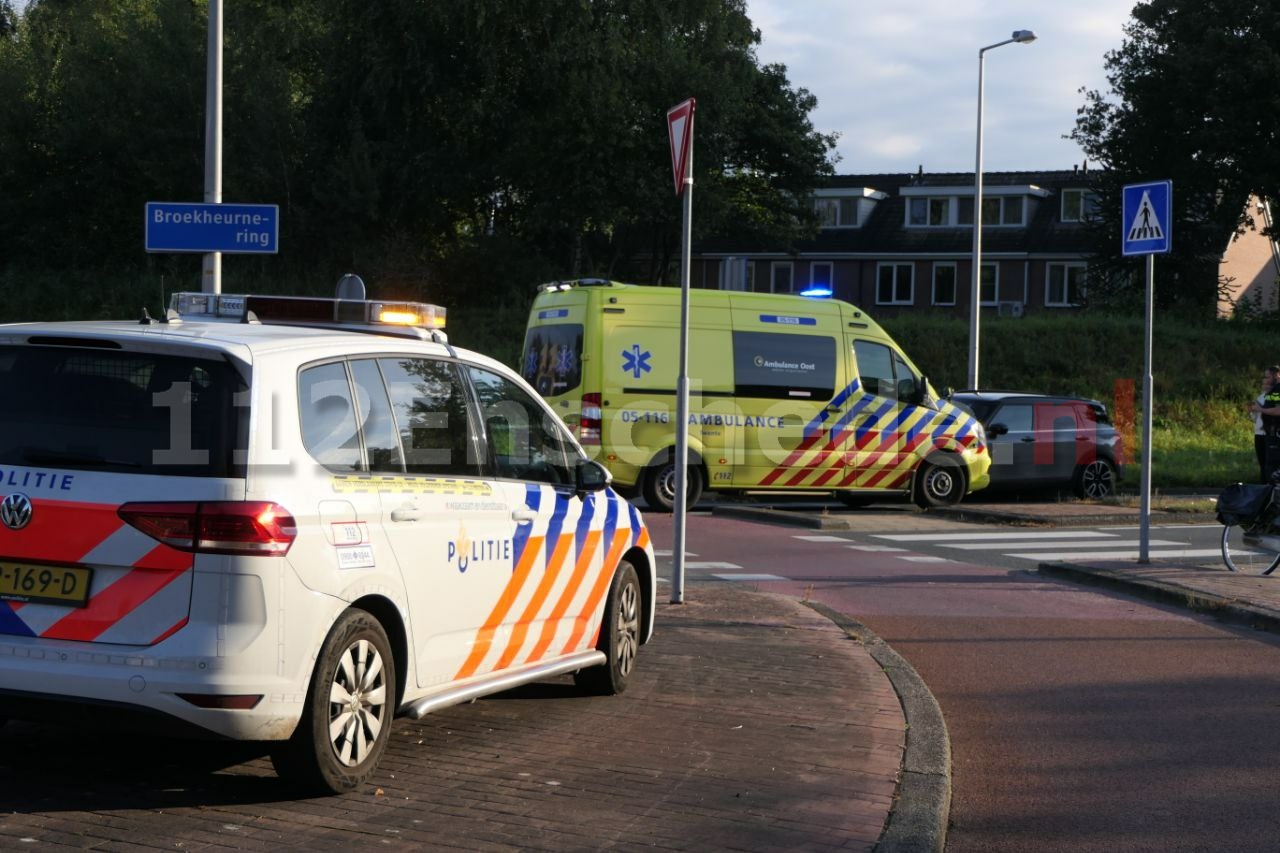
[(875, 444)]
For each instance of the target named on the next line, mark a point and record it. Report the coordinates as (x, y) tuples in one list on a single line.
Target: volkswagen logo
[(15, 511)]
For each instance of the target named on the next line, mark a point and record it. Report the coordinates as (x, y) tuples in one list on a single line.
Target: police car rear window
[(111, 410)]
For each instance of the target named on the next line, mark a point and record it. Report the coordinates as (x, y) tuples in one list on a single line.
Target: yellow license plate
[(45, 584)]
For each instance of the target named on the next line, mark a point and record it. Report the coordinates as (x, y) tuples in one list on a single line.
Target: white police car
[(289, 520)]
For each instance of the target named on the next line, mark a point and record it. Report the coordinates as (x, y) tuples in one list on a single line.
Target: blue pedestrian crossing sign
[(1146, 218)]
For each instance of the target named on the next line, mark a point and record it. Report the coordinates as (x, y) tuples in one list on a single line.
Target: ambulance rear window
[(84, 408), (553, 358)]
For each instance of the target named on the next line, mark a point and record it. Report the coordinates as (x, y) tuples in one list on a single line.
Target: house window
[(836, 212), (944, 284), (820, 274), (737, 274), (1064, 285), (1000, 210), (895, 284), (781, 277), (930, 211), (990, 287), (1078, 205)]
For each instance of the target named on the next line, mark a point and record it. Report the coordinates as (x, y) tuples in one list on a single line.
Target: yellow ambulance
[(786, 393)]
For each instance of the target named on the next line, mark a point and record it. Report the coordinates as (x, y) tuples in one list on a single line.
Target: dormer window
[(942, 207), (1078, 205), (845, 207), (837, 212), (930, 211), (1002, 210)]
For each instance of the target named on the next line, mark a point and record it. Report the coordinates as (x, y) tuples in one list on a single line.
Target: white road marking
[(822, 538), (925, 558), (748, 576), (1081, 543), (712, 564), (1069, 556), (1022, 534), (884, 548)]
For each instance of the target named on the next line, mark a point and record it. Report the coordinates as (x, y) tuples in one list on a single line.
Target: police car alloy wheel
[(619, 636), (347, 720)]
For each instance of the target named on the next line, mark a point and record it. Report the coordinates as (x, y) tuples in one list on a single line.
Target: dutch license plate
[(45, 584)]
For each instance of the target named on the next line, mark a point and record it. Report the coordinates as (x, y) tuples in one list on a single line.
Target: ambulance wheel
[(939, 482), (659, 486), (619, 636), (346, 721)]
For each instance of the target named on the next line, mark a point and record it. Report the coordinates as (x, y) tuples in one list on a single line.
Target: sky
[(899, 81)]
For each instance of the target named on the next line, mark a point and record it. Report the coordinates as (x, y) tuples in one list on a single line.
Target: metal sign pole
[(682, 391), (1144, 528), (212, 275), (1146, 227)]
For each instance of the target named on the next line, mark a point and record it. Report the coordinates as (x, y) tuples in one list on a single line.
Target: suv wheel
[(1096, 479)]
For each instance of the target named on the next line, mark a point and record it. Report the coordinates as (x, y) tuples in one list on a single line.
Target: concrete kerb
[(918, 820), (1224, 608)]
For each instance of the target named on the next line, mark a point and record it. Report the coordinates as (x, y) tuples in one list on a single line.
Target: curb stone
[(918, 819), (1201, 601)]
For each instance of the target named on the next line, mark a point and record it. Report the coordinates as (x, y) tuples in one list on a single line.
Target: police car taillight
[(216, 527), (589, 421)]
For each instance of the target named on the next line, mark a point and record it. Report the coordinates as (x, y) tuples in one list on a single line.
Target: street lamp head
[(1023, 36)]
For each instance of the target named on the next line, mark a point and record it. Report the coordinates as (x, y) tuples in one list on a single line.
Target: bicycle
[(1250, 515)]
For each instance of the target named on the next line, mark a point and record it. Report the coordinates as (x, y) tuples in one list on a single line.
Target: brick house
[(899, 242), (1250, 266)]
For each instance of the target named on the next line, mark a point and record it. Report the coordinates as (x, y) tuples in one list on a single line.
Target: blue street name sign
[(1146, 217), (174, 226)]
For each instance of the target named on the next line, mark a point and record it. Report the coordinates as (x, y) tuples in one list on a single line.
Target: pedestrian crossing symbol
[(1146, 218)]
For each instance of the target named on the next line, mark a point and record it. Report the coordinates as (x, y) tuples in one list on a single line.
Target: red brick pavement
[(753, 723)]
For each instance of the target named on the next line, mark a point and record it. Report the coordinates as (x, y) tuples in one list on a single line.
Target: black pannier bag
[(1241, 503)]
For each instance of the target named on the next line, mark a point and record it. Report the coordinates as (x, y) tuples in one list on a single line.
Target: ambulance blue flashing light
[(817, 291)]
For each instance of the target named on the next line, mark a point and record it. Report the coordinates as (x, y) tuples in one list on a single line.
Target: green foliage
[(414, 127), (1175, 110)]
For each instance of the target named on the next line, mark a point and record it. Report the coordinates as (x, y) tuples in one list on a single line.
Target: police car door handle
[(523, 515), (406, 513)]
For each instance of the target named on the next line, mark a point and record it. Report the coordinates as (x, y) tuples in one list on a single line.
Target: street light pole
[(975, 291)]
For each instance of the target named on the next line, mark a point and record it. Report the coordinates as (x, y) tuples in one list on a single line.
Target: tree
[(1193, 98)]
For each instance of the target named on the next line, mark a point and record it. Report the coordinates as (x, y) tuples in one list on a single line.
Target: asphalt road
[(1080, 719)]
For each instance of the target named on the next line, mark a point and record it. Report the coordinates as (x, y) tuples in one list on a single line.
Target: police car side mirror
[(591, 476)]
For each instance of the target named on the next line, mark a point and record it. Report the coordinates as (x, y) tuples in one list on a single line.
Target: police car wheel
[(659, 486), (346, 722), (1096, 479), (939, 482), (619, 636)]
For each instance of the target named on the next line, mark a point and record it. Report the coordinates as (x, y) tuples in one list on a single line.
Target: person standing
[(1266, 423)]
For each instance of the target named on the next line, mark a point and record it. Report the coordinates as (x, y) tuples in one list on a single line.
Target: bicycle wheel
[(1243, 552)]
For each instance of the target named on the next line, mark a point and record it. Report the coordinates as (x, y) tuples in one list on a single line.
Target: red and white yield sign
[(680, 134)]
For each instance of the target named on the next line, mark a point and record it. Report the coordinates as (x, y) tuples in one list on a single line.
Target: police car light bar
[(310, 311)]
